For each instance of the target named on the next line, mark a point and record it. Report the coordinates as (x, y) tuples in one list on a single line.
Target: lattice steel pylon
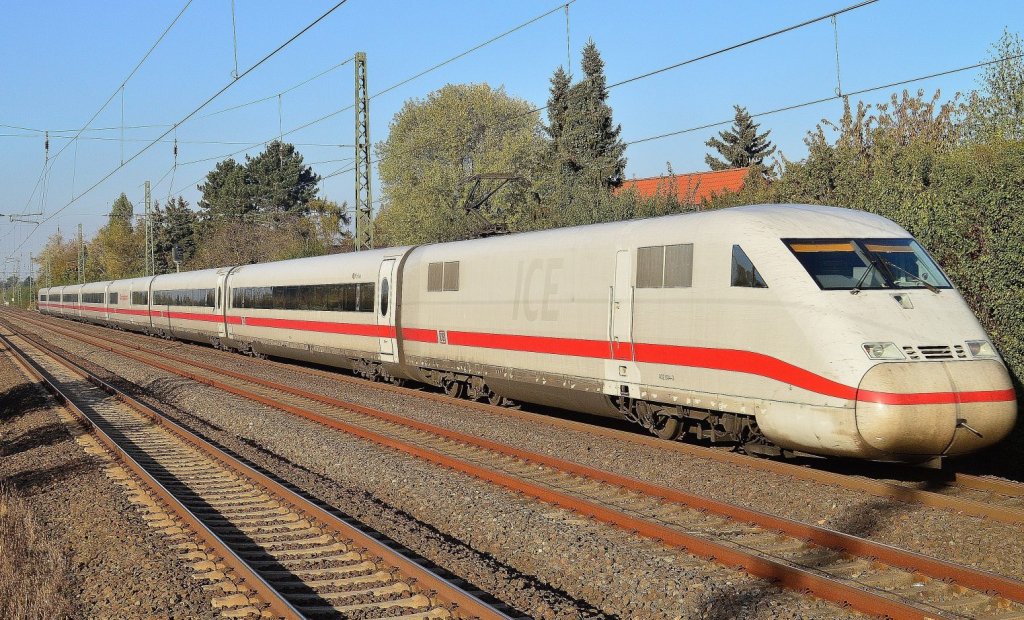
[(364, 188), (81, 256), (150, 254)]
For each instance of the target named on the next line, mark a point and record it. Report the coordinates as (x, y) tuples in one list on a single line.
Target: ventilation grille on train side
[(935, 352)]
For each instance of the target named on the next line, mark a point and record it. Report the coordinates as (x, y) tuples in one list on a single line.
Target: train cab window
[(744, 273), (854, 264), (111, 299), (384, 290)]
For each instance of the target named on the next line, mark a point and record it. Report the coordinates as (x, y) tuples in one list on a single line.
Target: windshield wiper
[(928, 285), (867, 272)]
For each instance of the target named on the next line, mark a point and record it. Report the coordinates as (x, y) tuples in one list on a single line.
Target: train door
[(386, 310), (621, 374), (220, 303)]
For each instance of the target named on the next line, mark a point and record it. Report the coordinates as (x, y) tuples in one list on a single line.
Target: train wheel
[(667, 427), (455, 389)]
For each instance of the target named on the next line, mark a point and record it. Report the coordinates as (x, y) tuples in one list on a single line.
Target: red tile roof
[(691, 187)]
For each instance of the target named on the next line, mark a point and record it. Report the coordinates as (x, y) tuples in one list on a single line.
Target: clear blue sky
[(61, 60)]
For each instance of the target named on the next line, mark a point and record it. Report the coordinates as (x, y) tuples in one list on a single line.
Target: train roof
[(763, 221)]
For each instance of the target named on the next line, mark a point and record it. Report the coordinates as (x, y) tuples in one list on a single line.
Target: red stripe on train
[(731, 360)]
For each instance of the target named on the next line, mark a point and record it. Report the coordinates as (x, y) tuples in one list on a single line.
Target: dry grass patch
[(34, 573)]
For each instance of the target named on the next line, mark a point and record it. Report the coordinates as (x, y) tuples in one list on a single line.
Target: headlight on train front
[(882, 351), (981, 348)]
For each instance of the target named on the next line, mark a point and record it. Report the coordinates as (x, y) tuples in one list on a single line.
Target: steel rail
[(455, 597), (275, 601), (980, 483), (786, 574), (877, 488), (932, 567)]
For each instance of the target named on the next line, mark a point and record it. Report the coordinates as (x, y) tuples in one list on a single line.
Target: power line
[(831, 98), (188, 116), (119, 89), (737, 46), (283, 92)]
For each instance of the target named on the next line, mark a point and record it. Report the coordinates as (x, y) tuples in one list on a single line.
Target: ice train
[(781, 327)]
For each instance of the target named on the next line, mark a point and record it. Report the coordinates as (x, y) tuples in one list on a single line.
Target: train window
[(743, 271), (140, 298), (853, 264), (650, 266), (451, 276), (111, 299), (906, 263), (384, 297), (434, 277), (69, 297), (665, 266), (92, 298), (679, 265), (350, 297), (443, 276), (201, 297)]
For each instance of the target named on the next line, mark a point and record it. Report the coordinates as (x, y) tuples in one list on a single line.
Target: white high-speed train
[(781, 327)]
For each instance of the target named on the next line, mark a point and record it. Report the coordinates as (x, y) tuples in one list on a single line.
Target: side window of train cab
[(744, 273)]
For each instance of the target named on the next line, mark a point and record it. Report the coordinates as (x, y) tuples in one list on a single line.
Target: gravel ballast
[(118, 566), (561, 565), (973, 541)]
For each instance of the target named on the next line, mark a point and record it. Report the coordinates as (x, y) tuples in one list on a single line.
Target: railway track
[(273, 551), (998, 500), (871, 577)]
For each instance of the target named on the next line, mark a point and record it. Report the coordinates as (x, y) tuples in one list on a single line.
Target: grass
[(34, 573)]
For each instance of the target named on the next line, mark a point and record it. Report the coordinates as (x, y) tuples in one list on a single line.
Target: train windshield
[(838, 264)]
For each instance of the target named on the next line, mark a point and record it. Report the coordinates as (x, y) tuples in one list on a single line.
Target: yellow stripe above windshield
[(822, 247), (876, 247)]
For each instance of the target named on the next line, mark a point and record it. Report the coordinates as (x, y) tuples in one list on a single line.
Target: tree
[(274, 181), (226, 192), (117, 251), (435, 144), (175, 225), (997, 110), (279, 181), (587, 143), (58, 261), (740, 145), (122, 210), (558, 106)]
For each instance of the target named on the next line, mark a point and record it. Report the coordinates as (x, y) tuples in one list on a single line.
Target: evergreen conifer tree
[(558, 105), (740, 145), (588, 145)]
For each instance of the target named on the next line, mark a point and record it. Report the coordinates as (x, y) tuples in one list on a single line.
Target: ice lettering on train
[(536, 286)]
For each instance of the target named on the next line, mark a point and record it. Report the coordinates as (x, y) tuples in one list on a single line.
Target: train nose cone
[(935, 408)]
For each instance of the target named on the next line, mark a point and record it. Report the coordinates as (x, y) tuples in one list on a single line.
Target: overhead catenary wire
[(398, 84), (188, 116), (131, 74), (812, 102)]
